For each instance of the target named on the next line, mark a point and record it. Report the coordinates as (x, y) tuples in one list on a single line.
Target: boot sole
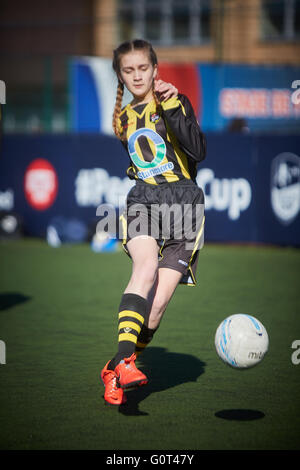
[(135, 384)]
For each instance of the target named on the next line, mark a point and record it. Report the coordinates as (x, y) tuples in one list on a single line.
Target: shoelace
[(114, 383)]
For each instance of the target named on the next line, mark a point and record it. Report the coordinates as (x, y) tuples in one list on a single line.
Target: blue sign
[(251, 183)]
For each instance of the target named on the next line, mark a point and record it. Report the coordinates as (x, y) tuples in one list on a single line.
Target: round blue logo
[(158, 142)]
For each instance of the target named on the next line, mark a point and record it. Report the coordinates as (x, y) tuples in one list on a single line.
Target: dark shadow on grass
[(164, 370), (10, 299), (240, 415)]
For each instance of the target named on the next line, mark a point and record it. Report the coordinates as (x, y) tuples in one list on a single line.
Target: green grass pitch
[(58, 320)]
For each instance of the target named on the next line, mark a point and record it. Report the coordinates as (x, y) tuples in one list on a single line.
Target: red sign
[(186, 78), (40, 184)]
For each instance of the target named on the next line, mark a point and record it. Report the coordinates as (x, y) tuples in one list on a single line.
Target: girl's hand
[(165, 90)]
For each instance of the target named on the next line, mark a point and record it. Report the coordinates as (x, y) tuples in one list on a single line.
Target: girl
[(164, 142)]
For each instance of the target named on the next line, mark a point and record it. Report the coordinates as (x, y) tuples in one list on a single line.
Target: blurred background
[(237, 60)]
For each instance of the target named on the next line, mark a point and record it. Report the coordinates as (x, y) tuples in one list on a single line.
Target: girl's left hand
[(165, 90)]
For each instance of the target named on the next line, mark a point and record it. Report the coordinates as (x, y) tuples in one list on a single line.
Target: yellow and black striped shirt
[(163, 145)]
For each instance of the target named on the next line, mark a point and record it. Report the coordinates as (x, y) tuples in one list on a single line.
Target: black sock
[(144, 338), (132, 312)]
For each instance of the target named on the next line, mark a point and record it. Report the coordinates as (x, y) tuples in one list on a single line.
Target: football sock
[(132, 312), (144, 338)]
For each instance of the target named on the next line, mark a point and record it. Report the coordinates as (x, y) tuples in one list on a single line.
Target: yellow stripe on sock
[(131, 313), (141, 345), (127, 337), (130, 324)]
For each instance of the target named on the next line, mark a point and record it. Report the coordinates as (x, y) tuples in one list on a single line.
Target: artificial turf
[(58, 319)]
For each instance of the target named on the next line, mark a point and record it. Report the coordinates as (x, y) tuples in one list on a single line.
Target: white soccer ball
[(241, 341)]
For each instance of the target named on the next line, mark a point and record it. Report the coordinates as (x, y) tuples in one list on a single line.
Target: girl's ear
[(155, 73)]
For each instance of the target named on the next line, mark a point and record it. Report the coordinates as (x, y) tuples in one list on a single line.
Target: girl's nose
[(137, 75)]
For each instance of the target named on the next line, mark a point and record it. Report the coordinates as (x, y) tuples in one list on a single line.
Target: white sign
[(285, 187), (94, 186), (2, 92), (232, 195), (2, 352)]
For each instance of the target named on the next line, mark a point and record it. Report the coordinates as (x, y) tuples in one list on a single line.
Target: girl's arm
[(181, 118)]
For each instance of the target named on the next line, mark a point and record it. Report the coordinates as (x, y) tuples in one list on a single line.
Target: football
[(241, 341)]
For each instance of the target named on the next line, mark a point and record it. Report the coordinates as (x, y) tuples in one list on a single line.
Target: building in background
[(231, 31), (38, 38)]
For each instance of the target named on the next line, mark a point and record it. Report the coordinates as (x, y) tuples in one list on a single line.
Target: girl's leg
[(159, 297), (144, 254), (167, 282), (134, 304)]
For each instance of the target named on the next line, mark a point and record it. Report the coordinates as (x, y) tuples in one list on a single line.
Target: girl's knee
[(146, 271)]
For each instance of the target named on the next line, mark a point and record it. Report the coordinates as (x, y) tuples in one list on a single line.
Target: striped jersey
[(164, 145)]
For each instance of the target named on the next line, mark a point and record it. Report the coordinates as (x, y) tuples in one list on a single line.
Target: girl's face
[(137, 74)]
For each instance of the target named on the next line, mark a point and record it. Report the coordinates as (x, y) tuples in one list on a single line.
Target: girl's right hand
[(165, 90)]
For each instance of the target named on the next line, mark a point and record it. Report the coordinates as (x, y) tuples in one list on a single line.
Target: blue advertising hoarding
[(251, 183), (262, 95)]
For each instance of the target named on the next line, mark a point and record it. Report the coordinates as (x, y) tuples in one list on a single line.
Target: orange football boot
[(114, 395), (128, 375)]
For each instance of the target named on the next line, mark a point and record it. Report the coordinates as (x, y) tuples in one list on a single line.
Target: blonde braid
[(117, 109)]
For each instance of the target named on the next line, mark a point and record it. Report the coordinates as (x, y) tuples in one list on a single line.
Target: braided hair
[(124, 48)]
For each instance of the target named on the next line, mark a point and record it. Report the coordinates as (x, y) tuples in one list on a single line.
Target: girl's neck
[(142, 100)]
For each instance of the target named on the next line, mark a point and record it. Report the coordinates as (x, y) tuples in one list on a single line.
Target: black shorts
[(173, 214)]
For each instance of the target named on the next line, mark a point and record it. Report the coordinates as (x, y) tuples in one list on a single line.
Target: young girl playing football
[(164, 143)]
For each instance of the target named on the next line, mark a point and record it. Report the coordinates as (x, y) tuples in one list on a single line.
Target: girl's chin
[(139, 92)]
